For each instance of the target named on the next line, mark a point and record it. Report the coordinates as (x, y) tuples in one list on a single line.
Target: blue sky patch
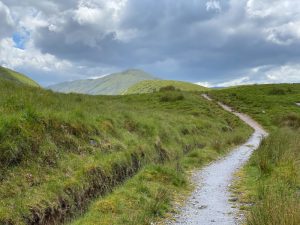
[(20, 39)]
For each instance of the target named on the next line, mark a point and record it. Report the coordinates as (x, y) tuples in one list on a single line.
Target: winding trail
[(210, 201)]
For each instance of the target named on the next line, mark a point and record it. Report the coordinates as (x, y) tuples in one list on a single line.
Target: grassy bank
[(60, 152), (270, 182), (273, 180), (150, 86)]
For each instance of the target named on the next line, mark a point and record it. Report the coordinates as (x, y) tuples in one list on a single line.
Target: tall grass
[(271, 180), (59, 152), (277, 182)]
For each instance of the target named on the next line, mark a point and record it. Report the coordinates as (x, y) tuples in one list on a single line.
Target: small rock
[(93, 143), (202, 207), (233, 199)]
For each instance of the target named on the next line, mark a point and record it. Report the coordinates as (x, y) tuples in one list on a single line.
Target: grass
[(268, 104), (16, 77), (270, 182), (62, 154), (139, 201), (150, 86)]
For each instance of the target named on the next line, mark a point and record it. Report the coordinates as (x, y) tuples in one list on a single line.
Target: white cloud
[(235, 82), (267, 74), (285, 34), (284, 74), (213, 5), (205, 84), (6, 21), (281, 18), (13, 57)]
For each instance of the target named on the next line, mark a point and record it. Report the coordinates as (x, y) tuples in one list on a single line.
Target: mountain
[(113, 84), (149, 86), (14, 76)]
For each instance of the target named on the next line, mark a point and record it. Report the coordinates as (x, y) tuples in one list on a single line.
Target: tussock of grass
[(59, 152), (275, 184)]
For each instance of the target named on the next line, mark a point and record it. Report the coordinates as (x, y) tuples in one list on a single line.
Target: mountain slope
[(149, 86), (14, 76), (112, 84)]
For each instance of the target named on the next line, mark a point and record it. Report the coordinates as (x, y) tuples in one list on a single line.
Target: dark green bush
[(171, 97), (167, 88), (277, 91)]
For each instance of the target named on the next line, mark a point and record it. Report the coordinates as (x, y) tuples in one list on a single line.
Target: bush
[(291, 120), (167, 88), (172, 97), (277, 91)]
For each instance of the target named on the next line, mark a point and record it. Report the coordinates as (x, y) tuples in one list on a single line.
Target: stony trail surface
[(210, 202)]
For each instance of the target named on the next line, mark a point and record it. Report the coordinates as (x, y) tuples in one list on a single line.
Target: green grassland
[(271, 179), (150, 86), (8, 74), (269, 104), (65, 155)]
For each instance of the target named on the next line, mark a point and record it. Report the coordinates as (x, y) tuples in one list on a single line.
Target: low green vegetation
[(271, 180), (64, 155), (150, 86), (16, 77), (270, 104)]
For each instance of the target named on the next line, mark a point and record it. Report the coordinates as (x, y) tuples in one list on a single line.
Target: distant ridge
[(113, 84), (8, 74), (149, 86)]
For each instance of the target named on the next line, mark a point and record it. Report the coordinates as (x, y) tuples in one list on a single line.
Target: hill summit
[(112, 84)]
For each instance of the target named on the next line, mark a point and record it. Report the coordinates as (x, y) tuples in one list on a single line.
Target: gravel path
[(210, 201)]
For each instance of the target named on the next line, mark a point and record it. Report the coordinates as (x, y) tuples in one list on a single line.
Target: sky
[(209, 42)]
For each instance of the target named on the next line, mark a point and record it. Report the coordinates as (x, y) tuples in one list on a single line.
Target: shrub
[(167, 88), (277, 91), (172, 97), (291, 120)]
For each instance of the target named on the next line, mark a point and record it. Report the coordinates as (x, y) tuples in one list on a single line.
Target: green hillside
[(268, 103), (11, 75), (149, 86), (270, 182), (65, 156), (113, 84)]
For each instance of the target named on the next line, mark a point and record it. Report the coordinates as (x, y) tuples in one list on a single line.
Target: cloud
[(213, 5), (214, 41), (281, 19), (288, 73), (6, 22), (13, 57), (284, 74)]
